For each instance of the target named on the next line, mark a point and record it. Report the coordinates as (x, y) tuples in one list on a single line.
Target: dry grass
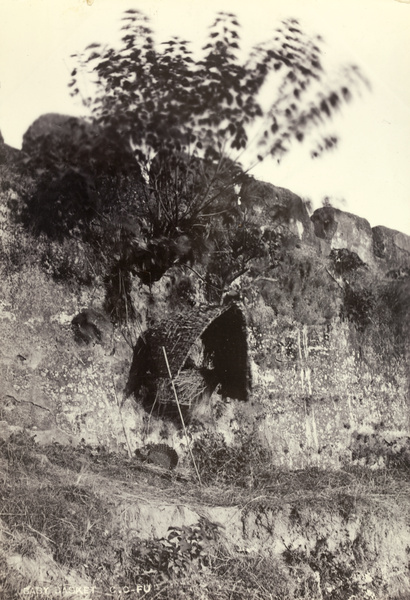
[(312, 486), (189, 385)]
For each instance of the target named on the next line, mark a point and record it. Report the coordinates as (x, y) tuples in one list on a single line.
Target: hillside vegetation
[(85, 523)]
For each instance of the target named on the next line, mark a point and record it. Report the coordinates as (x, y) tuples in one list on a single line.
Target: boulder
[(392, 246), (270, 204), (75, 142), (92, 326), (57, 136), (344, 230), (54, 125)]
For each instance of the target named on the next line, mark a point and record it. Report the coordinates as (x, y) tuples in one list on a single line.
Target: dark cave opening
[(226, 352)]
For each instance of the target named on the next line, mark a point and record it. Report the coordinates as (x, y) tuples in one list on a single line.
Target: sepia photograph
[(205, 300)]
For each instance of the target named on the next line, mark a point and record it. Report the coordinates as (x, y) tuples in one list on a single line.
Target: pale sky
[(370, 170)]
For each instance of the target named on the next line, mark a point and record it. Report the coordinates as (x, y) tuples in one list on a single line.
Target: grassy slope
[(62, 511)]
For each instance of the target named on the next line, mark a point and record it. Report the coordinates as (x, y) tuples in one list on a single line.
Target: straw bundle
[(189, 384)]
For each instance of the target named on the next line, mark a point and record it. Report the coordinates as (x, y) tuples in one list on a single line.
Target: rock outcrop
[(57, 136), (387, 248), (75, 142), (276, 206), (344, 230), (2, 150), (393, 247), (56, 128)]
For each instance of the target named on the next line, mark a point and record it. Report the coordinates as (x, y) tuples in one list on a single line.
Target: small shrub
[(69, 262), (338, 572), (185, 550), (374, 448), (344, 261), (239, 465), (60, 206), (299, 287), (358, 306)]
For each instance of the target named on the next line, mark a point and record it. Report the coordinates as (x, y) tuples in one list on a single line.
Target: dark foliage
[(297, 286), (392, 316), (358, 306), (61, 207), (344, 261)]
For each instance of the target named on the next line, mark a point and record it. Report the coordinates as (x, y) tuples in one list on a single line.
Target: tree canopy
[(184, 129), (165, 99)]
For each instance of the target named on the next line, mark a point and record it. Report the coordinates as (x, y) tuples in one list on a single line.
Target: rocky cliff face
[(387, 248), (328, 384), (344, 230), (391, 246), (269, 204)]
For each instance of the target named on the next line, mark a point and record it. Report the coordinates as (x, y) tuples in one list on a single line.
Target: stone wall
[(57, 388), (344, 230)]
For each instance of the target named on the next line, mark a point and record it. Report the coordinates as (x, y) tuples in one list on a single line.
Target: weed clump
[(240, 464)]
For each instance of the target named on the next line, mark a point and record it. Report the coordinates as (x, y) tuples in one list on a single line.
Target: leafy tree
[(168, 104), (186, 122)]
